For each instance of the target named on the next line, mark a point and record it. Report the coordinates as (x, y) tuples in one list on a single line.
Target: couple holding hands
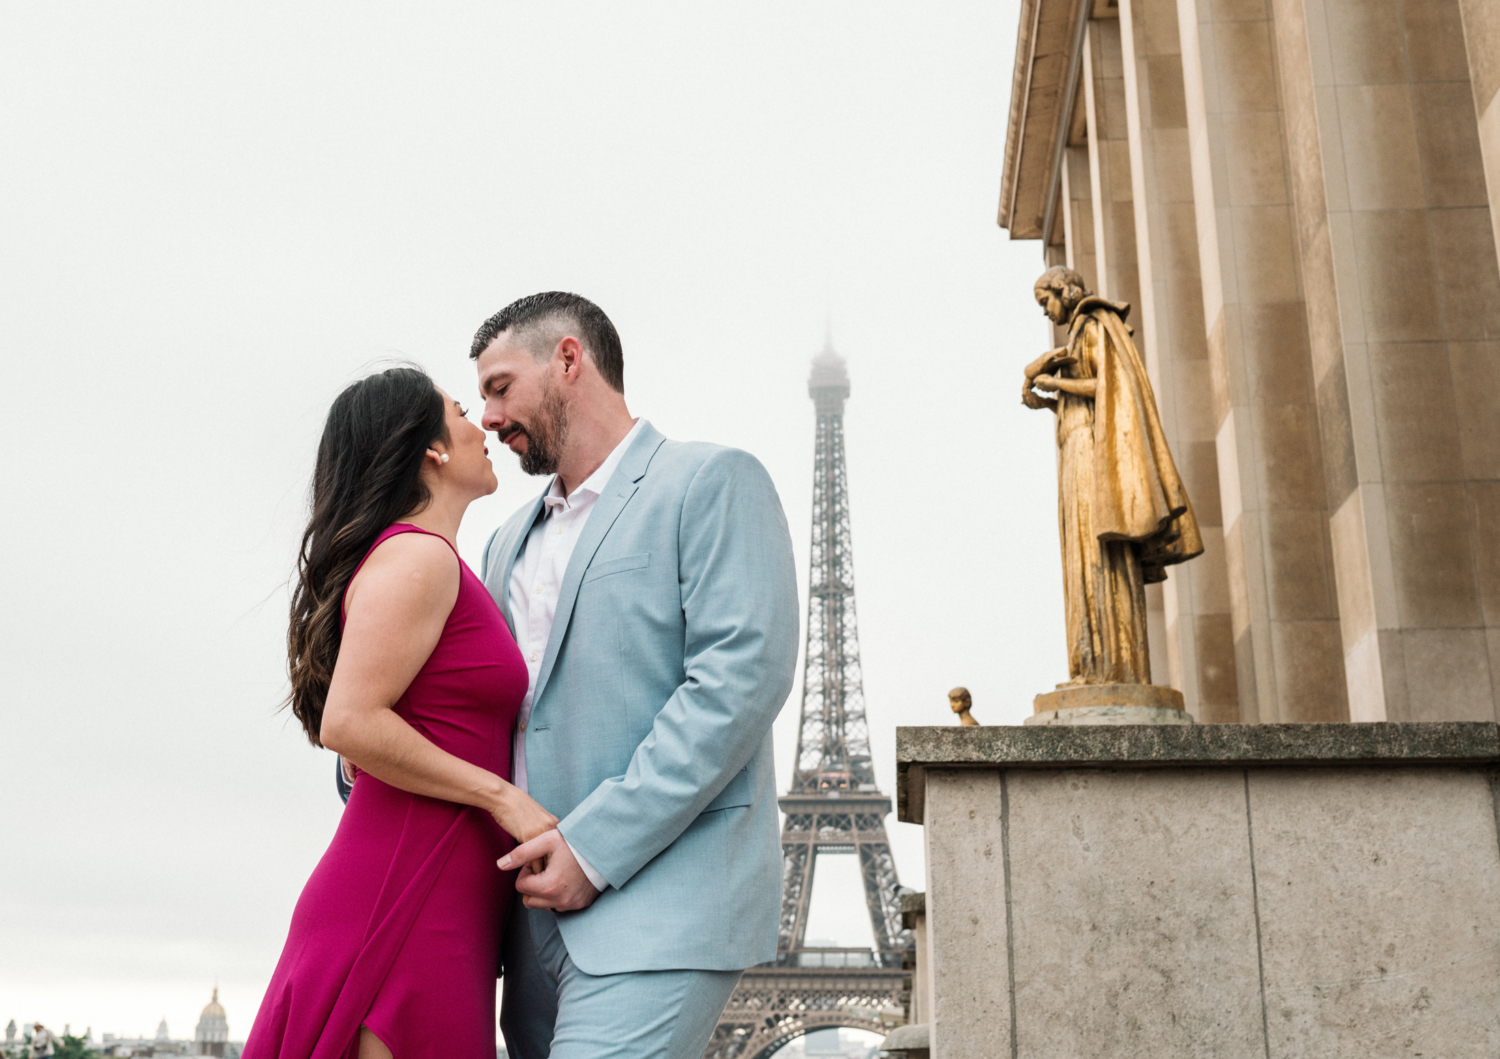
[(561, 763)]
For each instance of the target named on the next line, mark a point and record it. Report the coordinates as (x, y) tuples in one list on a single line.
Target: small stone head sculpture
[(960, 702), (1058, 291)]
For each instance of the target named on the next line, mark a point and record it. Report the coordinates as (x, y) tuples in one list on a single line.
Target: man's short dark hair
[(540, 321)]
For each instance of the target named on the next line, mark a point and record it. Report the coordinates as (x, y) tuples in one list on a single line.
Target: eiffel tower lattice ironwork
[(834, 805)]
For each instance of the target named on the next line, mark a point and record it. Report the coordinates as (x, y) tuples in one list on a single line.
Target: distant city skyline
[(210, 1036)]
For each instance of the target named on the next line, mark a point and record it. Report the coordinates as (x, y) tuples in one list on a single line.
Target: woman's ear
[(436, 456)]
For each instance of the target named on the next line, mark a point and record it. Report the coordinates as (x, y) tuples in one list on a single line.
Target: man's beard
[(548, 435)]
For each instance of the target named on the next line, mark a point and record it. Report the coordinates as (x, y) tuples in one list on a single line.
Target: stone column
[(1112, 206), (1198, 638), (1481, 19), (1078, 213), (920, 993), (1397, 243), (1288, 653), (1109, 162)]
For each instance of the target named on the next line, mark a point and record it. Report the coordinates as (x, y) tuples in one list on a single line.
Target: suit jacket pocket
[(617, 566), (736, 792)]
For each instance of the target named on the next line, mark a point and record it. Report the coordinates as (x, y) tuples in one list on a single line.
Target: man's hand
[(561, 886)]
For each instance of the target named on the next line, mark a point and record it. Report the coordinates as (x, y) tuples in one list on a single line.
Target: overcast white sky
[(216, 216)]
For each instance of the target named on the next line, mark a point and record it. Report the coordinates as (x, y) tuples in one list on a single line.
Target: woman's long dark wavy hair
[(367, 476)]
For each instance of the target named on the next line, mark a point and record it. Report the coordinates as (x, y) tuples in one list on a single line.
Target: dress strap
[(407, 527)]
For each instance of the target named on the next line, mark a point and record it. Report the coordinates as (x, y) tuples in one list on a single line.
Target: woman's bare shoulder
[(412, 569)]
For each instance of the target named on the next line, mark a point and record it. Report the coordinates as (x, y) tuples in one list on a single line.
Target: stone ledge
[(1184, 746)]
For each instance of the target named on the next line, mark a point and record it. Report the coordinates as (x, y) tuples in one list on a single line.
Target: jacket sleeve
[(738, 588)]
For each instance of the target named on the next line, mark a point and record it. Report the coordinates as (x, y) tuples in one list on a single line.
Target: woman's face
[(468, 467)]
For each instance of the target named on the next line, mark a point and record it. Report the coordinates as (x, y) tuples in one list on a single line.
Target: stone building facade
[(1300, 199)]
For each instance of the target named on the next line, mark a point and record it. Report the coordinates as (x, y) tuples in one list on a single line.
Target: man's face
[(522, 404), (958, 703)]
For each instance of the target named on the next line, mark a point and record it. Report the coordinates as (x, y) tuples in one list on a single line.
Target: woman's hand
[(522, 816)]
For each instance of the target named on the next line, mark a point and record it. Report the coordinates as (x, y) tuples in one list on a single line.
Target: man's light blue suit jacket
[(672, 651)]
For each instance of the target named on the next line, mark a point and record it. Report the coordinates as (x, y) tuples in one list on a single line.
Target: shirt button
[(523, 726), (539, 590), (533, 656)]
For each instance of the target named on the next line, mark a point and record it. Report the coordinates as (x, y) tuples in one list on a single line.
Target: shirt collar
[(593, 485)]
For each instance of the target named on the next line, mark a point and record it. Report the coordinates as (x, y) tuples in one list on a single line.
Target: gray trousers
[(552, 1010)]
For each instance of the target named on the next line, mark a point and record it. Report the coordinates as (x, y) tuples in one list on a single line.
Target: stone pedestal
[(1110, 704), (1317, 891)]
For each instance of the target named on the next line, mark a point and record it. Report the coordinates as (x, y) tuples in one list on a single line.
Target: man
[(652, 592), (43, 1042)]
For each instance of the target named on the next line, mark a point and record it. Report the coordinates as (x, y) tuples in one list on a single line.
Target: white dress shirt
[(535, 584)]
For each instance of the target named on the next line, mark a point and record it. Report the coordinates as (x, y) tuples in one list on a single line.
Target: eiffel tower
[(834, 805)]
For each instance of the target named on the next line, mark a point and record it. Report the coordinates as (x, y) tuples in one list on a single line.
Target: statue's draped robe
[(1122, 510)]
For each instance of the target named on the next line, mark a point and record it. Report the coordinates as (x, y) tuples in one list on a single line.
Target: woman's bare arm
[(397, 607)]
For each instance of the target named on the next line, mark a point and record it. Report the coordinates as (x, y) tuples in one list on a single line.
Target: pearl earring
[(443, 457)]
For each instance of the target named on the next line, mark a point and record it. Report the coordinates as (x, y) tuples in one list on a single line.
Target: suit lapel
[(617, 493)]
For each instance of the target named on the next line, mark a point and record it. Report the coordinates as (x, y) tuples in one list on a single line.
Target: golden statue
[(1122, 510), (961, 703)]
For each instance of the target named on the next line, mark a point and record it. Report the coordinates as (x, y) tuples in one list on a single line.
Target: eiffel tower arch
[(834, 805)]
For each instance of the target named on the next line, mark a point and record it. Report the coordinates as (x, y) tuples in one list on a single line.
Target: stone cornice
[(1048, 54), (1183, 746)]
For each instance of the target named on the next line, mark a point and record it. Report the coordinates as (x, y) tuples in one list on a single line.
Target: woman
[(400, 662)]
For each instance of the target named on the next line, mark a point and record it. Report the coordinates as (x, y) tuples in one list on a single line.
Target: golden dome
[(213, 1026)]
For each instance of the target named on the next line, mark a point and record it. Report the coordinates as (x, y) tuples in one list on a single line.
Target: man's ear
[(570, 352)]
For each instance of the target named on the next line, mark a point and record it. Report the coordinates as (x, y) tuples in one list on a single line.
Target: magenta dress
[(399, 927)]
